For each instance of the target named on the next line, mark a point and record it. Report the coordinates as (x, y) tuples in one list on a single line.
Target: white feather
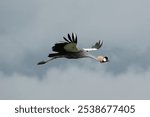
[(89, 49)]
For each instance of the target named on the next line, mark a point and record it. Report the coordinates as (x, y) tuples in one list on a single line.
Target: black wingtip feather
[(66, 40), (69, 37), (73, 37), (76, 38), (101, 43)]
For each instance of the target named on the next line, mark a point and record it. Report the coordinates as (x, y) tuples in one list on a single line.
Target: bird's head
[(102, 59)]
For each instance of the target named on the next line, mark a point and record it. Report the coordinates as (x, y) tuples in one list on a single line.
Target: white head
[(102, 59)]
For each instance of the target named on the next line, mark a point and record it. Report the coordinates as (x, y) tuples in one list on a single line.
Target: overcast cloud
[(28, 30)]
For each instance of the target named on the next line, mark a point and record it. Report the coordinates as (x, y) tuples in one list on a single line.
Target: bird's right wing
[(95, 47)]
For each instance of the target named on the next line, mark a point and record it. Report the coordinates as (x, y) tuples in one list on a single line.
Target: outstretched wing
[(95, 47), (98, 44), (68, 46)]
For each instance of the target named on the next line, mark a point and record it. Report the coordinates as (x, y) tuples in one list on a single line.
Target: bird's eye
[(104, 59)]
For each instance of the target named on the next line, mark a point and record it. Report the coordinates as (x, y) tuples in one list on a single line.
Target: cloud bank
[(77, 83)]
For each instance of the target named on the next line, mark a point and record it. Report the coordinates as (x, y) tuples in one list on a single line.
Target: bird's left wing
[(70, 44), (95, 47)]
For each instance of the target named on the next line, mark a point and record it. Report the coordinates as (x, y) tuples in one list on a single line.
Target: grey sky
[(28, 30)]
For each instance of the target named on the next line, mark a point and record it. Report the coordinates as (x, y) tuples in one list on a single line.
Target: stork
[(68, 49)]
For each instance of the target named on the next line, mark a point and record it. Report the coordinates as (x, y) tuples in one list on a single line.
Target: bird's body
[(69, 50), (70, 55)]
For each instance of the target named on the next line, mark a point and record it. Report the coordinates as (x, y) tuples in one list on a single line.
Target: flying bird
[(68, 49)]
